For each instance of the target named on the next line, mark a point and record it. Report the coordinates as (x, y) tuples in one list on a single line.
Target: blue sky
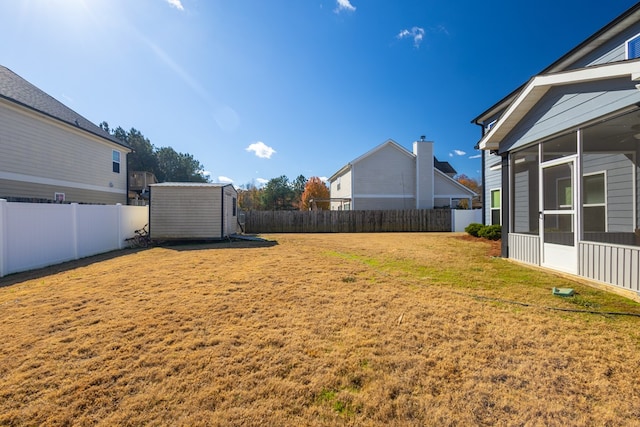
[(255, 89)]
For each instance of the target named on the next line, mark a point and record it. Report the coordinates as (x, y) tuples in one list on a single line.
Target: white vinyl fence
[(460, 218), (34, 235)]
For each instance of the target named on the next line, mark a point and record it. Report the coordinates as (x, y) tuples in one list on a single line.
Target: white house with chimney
[(391, 177)]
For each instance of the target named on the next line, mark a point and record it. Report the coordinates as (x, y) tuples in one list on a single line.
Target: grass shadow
[(23, 276), (197, 245)]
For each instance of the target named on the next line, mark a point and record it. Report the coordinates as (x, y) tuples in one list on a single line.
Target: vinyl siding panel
[(41, 149), (612, 51), (619, 193), (492, 181), (567, 107), (343, 181), (387, 171), (525, 248), (25, 190), (616, 265), (385, 203), (185, 212)]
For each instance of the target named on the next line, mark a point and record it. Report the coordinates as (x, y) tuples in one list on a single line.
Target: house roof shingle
[(15, 89)]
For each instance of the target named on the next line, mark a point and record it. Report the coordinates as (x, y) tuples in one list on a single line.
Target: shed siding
[(185, 213), (567, 107), (37, 148)]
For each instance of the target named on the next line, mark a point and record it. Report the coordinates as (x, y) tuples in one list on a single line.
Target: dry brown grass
[(373, 329)]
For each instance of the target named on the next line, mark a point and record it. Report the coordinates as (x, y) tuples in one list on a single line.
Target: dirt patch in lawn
[(321, 329)]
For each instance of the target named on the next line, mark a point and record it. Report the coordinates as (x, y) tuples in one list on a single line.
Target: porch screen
[(610, 172), (525, 191)]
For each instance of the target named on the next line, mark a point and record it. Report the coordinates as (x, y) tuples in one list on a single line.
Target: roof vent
[(422, 137)]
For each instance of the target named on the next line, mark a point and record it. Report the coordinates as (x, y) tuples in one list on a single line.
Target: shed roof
[(192, 184), (17, 90)]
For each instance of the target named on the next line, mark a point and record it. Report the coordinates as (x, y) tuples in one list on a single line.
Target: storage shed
[(192, 211)]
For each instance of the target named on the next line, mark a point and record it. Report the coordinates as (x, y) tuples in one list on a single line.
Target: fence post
[(3, 236), (74, 223), (119, 233)]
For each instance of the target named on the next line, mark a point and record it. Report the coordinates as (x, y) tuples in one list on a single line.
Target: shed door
[(558, 215)]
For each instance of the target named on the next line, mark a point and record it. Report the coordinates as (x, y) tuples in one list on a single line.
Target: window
[(234, 206), (338, 183), (58, 197), (594, 203), (116, 161), (495, 207), (633, 47)]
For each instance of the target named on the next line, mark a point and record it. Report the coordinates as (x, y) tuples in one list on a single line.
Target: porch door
[(558, 215)]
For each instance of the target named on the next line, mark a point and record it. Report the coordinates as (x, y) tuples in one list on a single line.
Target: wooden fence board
[(347, 221)]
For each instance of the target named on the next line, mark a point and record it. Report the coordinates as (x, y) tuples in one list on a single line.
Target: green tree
[(297, 188), (277, 194), (165, 163), (178, 167)]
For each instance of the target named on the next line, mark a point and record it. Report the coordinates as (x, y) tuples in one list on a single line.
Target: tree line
[(281, 194), (164, 162), (170, 166)]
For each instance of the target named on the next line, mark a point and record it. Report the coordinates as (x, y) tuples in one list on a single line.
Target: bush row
[(491, 232)]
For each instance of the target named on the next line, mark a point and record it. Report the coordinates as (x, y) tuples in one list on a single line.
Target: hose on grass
[(570, 310)]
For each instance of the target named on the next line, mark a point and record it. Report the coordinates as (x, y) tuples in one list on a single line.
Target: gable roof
[(538, 86), (17, 90), (589, 45), (444, 167)]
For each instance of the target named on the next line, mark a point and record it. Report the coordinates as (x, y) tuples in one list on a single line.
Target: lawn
[(319, 329)]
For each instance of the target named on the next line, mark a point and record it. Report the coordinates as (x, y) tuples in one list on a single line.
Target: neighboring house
[(560, 158), (192, 211), (391, 177), (139, 182), (48, 152)]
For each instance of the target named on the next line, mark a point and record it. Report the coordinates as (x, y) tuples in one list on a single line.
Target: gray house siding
[(612, 51), (617, 169), (492, 181), (567, 107)]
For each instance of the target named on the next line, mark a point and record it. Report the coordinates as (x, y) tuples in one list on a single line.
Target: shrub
[(491, 232), (473, 229)]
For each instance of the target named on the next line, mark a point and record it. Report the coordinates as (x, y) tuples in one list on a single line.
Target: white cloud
[(476, 156), (416, 33), (323, 178), (224, 179), (450, 154), (176, 3), (261, 181), (344, 5), (261, 150), (459, 152)]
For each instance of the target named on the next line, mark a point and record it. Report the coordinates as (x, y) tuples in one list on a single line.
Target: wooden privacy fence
[(347, 221)]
